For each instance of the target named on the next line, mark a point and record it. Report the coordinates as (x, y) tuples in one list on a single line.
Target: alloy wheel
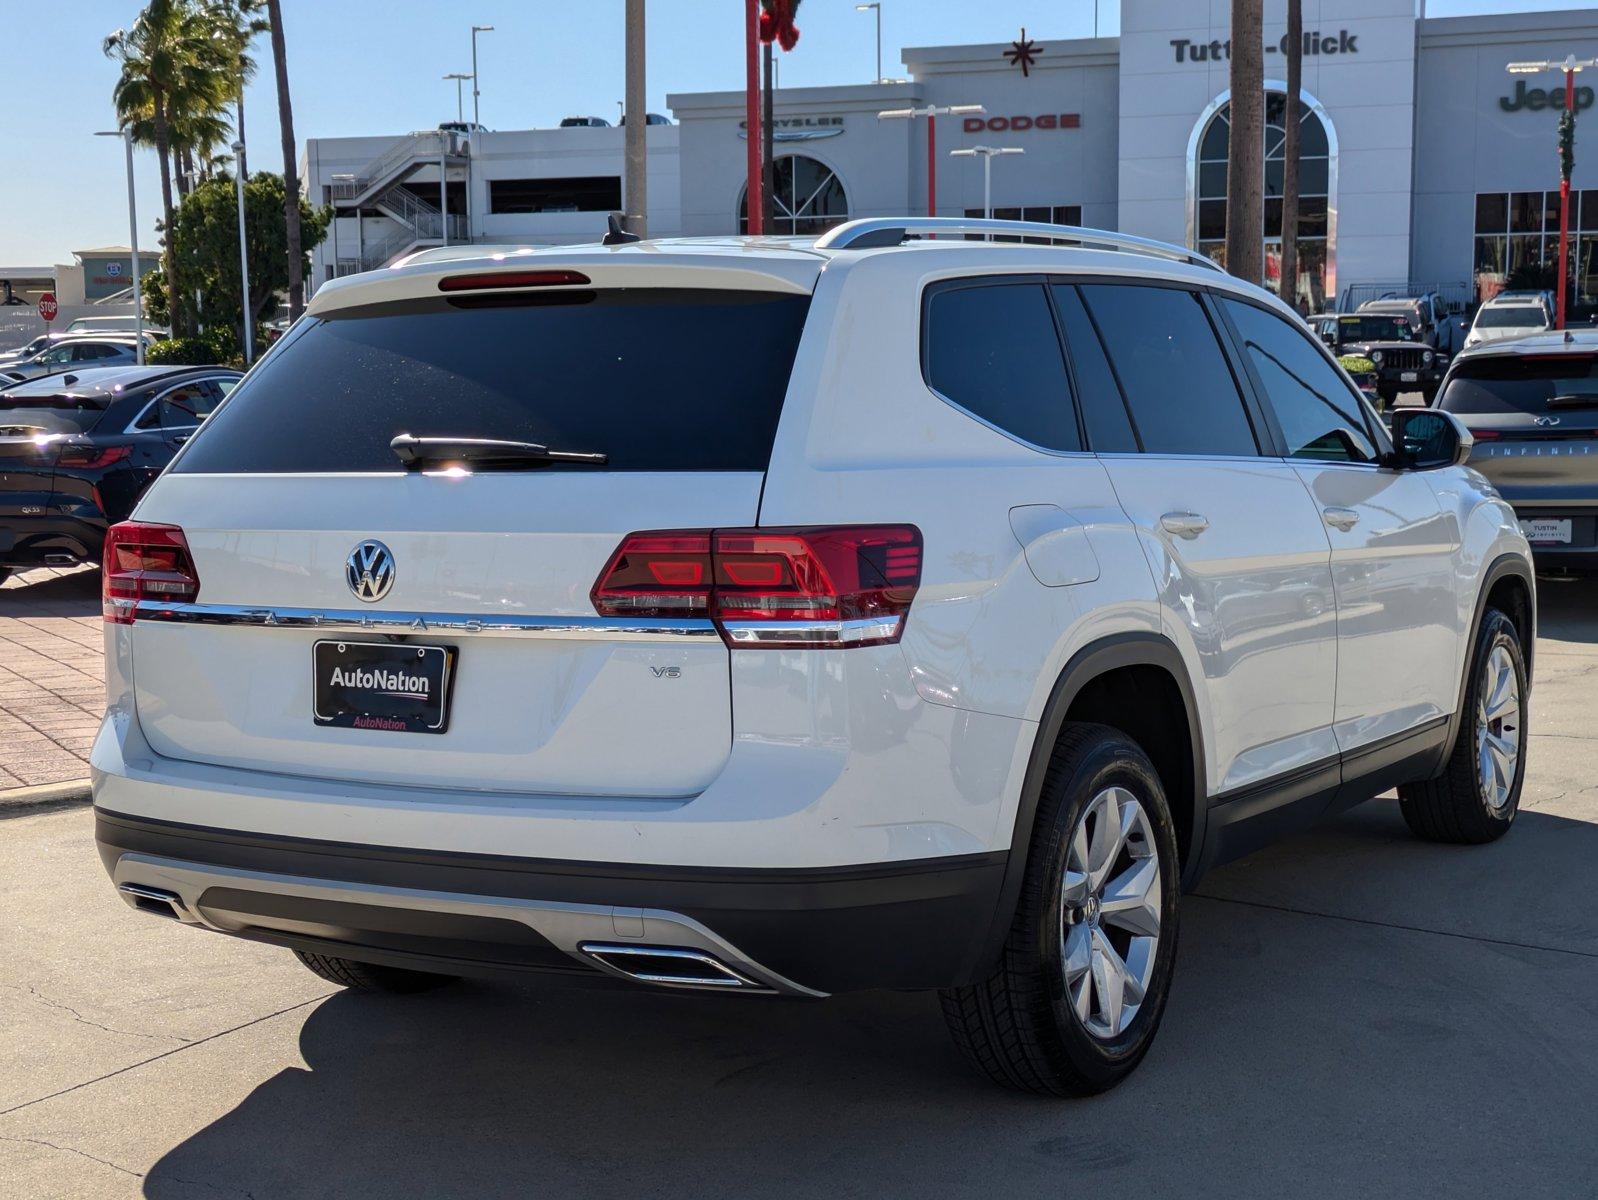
[(1110, 912), (1498, 728)]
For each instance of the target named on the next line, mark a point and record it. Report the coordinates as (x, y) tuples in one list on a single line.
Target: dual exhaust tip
[(671, 966), (154, 900)]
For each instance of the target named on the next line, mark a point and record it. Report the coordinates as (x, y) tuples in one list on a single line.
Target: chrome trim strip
[(343, 620), (819, 633)]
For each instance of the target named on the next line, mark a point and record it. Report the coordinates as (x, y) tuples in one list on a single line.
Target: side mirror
[(1427, 438)]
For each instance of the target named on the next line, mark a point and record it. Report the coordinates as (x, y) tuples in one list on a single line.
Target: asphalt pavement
[(1355, 1013)]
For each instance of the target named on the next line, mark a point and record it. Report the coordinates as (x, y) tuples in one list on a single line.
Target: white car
[(797, 616), (1500, 319)]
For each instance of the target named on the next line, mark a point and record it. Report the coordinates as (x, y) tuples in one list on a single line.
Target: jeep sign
[(1533, 99)]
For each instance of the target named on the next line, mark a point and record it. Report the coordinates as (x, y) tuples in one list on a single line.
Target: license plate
[(1546, 531), (377, 685), (1408, 376)]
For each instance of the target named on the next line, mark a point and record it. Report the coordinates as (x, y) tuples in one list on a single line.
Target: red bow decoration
[(776, 22)]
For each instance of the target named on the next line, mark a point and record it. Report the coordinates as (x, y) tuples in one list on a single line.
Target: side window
[(1103, 409), (224, 386), (183, 407), (1320, 417), (89, 351), (1178, 384), (993, 350)]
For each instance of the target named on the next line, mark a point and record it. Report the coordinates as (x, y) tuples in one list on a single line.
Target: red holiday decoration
[(776, 22)]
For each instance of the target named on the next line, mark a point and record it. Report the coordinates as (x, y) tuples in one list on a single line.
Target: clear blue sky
[(374, 66)]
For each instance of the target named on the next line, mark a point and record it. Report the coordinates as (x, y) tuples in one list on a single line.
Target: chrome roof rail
[(878, 232)]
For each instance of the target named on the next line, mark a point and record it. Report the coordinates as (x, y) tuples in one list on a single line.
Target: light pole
[(244, 262), (931, 112), (133, 244), (477, 29), (458, 77), (876, 7), (1567, 156), (987, 154)]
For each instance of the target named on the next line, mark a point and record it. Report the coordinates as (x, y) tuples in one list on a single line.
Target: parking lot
[(1355, 1012)]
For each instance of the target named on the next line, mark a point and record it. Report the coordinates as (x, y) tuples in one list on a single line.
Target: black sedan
[(78, 449)]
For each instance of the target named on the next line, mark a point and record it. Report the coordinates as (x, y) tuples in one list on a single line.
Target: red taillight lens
[(1485, 435), (145, 562), (510, 279), (776, 588), (92, 458)]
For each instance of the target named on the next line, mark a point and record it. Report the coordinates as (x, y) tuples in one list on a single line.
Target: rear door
[(1236, 547), (288, 489)]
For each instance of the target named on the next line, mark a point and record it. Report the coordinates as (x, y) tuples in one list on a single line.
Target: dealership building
[(1422, 159)]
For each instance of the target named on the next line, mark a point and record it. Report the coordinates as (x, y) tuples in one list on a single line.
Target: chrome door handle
[(1184, 524), (1340, 518)]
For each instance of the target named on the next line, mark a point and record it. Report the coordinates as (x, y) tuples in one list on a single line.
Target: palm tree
[(1245, 156), (151, 54), (291, 177), (234, 24), (1295, 74)]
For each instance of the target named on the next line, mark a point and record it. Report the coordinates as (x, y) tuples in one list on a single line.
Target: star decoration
[(1024, 53)]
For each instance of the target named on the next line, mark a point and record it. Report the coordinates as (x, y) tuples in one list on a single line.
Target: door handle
[(1340, 518), (180, 439), (1184, 524)]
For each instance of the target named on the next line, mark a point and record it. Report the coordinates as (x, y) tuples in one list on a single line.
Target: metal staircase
[(380, 186)]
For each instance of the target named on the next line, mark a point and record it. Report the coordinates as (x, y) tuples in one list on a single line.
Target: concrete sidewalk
[(52, 688)]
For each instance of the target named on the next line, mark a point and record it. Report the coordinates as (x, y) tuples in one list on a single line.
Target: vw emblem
[(1546, 421), (369, 570)]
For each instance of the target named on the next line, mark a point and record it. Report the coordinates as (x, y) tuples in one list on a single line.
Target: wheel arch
[(1508, 582), (1099, 661)]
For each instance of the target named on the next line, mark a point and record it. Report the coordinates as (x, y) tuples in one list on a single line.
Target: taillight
[(92, 458), (847, 585), (1485, 435), (145, 562), (510, 279)]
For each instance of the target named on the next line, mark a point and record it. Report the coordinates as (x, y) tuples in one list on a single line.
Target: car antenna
[(616, 235)]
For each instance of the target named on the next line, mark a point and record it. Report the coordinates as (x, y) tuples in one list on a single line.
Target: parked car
[(78, 449), (28, 349), (584, 123), (1505, 317), (123, 324), (1532, 408), (1427, 314), (91, 350), (869, 611), (1402, 362)]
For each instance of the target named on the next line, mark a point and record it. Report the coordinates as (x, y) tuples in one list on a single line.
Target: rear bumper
[(37, 541), (911, 924)]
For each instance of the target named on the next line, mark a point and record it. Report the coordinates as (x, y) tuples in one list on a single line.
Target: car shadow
[(1565, 607), (52, 593), (1290, 1040)]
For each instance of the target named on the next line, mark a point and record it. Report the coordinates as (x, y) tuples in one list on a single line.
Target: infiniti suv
[(794, 616)]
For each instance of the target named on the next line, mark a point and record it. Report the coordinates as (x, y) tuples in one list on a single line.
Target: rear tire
[(1080, 987), (1476, 797), (371, 977)]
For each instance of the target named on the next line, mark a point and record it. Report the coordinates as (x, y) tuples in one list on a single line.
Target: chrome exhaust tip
[(61, 560), (157, 901), (671, 966)]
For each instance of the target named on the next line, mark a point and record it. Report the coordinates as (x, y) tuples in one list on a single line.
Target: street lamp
[(477, 29), (458, 76), (987, 154), (1567, 154), (876, 7), (931, 112), (244, 261), (133, 244)]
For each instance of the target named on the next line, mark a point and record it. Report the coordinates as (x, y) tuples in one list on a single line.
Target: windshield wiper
[(1573, 400), (418, 452)]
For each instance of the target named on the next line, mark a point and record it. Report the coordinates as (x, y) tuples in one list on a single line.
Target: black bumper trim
[(915, 924)]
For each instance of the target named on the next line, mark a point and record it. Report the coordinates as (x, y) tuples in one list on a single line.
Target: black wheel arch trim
[(1505, 565), (1132, 649)]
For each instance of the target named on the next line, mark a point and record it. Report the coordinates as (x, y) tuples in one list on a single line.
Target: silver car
[(94, 350), (1532, 404)]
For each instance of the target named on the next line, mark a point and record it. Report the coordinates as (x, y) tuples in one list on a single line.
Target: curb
[(18, 801)]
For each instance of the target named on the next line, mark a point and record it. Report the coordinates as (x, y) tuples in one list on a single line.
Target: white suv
[(795, 616)]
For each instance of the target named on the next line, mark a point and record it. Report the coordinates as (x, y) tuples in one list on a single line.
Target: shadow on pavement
[(1301, 1055), (49, 593), (1565, 608)]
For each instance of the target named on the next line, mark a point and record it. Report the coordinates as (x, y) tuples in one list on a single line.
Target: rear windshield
[(1512, 316), (38, 415), (1523, 384), (658, 379), (1375, 329)]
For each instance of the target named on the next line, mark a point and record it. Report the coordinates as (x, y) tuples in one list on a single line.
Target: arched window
[(807, 197), (1316, 182)]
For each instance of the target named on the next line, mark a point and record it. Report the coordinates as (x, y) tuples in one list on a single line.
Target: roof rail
[(876, 232)]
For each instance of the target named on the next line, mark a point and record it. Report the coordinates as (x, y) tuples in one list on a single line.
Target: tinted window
[(1512, 384), (1172, 369), (1319, 415), (1512, 316), (185, 407), (994, 351), (1103, 410), (1376, 329), (658, 379)]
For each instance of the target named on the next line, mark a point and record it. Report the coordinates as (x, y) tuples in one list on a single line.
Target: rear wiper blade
[(417, 452), (1573, 400)]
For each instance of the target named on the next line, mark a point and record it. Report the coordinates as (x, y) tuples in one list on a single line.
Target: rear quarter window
[(658, 379)]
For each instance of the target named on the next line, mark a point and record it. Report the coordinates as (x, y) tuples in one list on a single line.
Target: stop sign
[(47, 307)]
